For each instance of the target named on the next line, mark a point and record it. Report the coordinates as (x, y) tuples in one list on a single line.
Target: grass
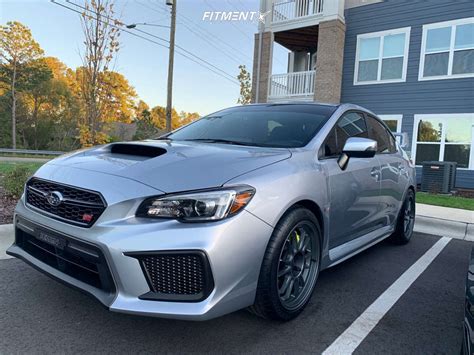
[(445, 201), (7, 166)]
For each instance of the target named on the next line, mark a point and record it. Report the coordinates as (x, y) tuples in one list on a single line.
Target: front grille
[(77, 206), (176, 276), (79, 260)]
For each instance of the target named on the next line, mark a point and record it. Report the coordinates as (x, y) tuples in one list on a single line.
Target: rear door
[(354, 193), (393, 172)]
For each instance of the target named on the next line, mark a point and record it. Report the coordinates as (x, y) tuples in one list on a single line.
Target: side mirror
[(357, 148)]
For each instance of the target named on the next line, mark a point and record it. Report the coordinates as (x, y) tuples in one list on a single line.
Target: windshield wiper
[(223, 141)]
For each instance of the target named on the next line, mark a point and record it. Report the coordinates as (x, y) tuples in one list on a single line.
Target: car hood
[(172, 166)]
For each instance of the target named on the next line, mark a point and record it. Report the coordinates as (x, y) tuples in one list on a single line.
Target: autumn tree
[(188, 117), (100, 46), (17, 49), (245, 86)]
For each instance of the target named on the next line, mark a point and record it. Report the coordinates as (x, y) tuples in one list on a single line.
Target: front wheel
[(290, 266), (405, 221)]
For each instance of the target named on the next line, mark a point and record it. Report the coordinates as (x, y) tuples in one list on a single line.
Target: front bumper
[(234, 248)]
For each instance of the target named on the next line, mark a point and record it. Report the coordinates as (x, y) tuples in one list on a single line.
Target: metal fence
[(29, 152)]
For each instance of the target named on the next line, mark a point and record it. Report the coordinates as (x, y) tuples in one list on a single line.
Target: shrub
[(15, 180)]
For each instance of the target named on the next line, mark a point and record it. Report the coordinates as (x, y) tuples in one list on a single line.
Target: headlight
[(206, 205)]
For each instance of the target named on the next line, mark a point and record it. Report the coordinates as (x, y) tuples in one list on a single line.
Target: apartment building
[(411, 62)]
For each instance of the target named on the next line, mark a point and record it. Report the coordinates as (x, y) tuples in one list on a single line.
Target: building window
[(444, 137), (381, 57), (447, 50), (393, 122)]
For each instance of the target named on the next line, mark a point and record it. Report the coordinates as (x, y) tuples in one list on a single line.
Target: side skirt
[(353, 247)]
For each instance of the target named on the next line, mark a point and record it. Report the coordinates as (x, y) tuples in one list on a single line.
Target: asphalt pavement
[(40, 315)]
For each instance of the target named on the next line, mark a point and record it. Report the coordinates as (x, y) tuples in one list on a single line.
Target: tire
[(405, 221), (293, 252)]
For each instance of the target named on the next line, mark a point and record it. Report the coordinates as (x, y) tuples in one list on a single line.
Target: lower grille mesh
[(180, 274), (177, 276)]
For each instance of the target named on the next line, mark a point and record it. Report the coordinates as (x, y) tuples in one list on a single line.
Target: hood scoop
[(137, 150)]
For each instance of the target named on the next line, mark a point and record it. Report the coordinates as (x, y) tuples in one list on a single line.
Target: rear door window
[(378, 132)]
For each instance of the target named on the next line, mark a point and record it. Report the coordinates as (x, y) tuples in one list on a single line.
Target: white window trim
[(397, 118), (382, 34), (446, 117), (431, 26)]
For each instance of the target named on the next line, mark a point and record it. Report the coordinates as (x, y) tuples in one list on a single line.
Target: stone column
[(330, 55), (265, 67)]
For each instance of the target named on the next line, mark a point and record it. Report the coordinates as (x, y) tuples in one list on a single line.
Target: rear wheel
[(406, 220), (290, 266)]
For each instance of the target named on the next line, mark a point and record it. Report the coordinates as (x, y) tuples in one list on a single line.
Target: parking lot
[(40, 315)]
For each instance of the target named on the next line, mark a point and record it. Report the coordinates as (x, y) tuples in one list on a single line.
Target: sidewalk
[(444, 221)]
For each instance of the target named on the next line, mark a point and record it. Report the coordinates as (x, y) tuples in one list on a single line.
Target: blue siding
[(413, 96)]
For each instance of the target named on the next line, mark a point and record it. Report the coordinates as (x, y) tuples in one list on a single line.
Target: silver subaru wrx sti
[(242, 208)]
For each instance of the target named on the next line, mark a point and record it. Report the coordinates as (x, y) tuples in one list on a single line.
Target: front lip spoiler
[(104, 298)]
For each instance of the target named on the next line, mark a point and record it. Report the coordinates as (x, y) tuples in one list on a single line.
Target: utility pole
[(169, 99)]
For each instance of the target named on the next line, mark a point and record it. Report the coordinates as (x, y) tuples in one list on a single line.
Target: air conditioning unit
[(438, 176)]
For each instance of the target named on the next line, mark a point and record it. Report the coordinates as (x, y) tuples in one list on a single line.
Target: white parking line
[(351, 338)]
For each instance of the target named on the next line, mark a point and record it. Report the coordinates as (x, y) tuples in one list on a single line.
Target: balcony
[(293, 14), (294, 86), (288, 10)]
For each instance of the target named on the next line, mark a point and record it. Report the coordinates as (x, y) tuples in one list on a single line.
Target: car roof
[(339, 107), (285, 103)]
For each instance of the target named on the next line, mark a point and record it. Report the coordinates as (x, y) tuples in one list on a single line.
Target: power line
[(230, 77), (159, 38), (204, 32), (149, 40)]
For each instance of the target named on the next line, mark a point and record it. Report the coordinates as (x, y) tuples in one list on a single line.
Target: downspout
[(259, 57), (263, 7)]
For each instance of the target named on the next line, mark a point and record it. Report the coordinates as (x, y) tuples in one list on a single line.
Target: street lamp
[(133, 25)]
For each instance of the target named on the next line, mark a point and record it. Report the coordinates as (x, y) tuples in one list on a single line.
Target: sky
[(195, 89)]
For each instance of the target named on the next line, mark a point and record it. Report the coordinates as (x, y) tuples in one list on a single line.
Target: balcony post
[(265, 70), (329, 60)]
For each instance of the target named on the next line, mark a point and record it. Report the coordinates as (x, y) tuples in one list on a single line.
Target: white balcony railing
[(292, 85), (284, 10)]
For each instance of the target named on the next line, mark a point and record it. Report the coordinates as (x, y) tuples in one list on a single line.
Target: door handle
[(375, 173)]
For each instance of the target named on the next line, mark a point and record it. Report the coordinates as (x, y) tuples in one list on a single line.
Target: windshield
[(282, 126)]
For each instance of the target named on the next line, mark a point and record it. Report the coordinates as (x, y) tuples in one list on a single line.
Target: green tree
[(37, 90), (145, 125), (17, 48), (245, 86)]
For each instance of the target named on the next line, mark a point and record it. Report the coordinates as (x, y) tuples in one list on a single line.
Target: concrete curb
[(445, 228), (6, 239)]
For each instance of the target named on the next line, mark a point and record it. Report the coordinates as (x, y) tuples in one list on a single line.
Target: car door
[(353, 192), (393, 170)]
